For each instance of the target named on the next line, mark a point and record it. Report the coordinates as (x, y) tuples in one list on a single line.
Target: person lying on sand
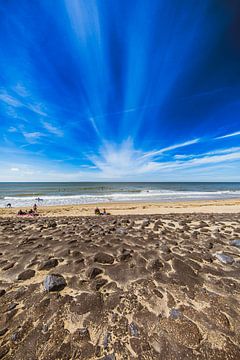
[(98, 212), (31, 212)]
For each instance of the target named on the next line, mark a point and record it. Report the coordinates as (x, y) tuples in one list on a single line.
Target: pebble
[(175, 313), (2, 292), (54, 282), (225, 259), (103, 258), (27, 274), (235, 243), (133, 329), (3, 331), (46, 265)]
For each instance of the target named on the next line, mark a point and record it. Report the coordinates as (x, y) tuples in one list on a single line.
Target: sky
[(119, 90)]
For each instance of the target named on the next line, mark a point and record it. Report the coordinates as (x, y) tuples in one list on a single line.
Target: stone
[(49, 264), (12, 306), (103, 258), (93, 272), (225, 259), (54, 282), (175, 313), (235, 243), (125, 256), (99, 283), (27, 274), (133, 329), (2, 292), (3, 331)]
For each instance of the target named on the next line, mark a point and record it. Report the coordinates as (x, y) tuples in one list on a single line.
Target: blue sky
[(120, 90)]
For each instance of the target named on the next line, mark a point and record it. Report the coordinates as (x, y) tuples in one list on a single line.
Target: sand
[(137, 208), (129, 286)]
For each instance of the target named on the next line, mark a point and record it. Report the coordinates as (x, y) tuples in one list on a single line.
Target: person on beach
[(20, 212), (9, 205), (97, 211), (35, 207)]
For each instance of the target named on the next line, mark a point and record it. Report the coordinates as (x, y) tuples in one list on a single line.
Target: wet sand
[(136, 208), (127, 287)]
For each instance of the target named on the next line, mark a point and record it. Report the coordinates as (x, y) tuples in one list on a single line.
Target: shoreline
[(135, 208)]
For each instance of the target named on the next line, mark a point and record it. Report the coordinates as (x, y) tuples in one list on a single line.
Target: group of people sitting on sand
[(31, 212), (98, 212)]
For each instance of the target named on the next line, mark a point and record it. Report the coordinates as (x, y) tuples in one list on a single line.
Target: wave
[(142, 195)]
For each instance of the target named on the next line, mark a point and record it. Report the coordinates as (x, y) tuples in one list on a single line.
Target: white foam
[(144, 195)]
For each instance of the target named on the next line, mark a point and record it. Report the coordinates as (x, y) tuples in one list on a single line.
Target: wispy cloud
[(172, 147), (9, 100), (33, 137), (14, 169), (52, 129), (125, 161), (237, 133)]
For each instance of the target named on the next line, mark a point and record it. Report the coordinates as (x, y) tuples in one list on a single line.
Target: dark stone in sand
[(2, 292), (145, 222), (133, 329), (103, 258), (49, 264), (81, 334), (54, 282), (225, 259), (27, 274), (52, 224), (155, 265), (3, 331), (99, 283), (106, 340), (126, 255), (93, 272), (8, 266), (235, 243), (3, 351), (109, 357), (12, 306), (121, 231)]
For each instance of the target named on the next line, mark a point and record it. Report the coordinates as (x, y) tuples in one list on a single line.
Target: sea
[(69, 193)]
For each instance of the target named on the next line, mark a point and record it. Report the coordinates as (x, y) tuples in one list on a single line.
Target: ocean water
[(26, 194)]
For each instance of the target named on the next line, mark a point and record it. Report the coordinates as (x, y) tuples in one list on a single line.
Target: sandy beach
[(121, 287), (135, 208)]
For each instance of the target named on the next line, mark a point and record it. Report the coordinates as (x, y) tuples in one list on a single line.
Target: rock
[(12, 306), (3, 331), (54, 282), (46, 265), (106, 340), (155, 265), (133, 329), (81, 334), (109, 357), (27, 274), (3, 351), (52, 224), (93, 272), (99, 283), (103, 258), (145, 222), (125, 256), (235, 243), (175, 313), (2, 292), (121, 231), (225, 259), (8, 266)]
